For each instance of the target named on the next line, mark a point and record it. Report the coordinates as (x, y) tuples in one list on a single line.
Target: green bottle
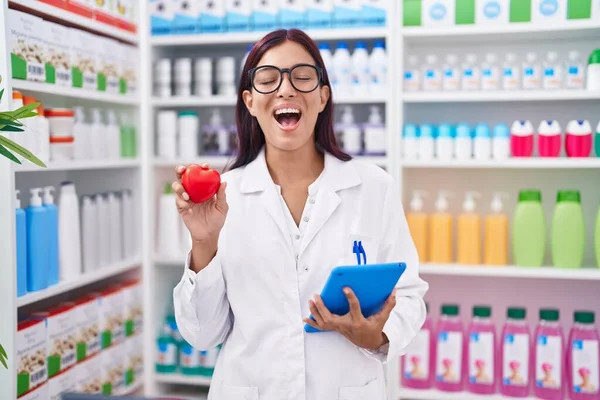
[(529, 230), (597, 238), (568, 230), (597, 141)]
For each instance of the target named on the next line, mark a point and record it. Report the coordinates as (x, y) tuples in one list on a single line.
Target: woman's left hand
[(363, 332)]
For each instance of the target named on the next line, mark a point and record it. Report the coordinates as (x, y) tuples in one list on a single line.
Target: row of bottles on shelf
[(175, 355), (546, 364), (369, 138), (500, 142), (433, 234), (49, 237), (90, 344), (198, 16), (512, 73)]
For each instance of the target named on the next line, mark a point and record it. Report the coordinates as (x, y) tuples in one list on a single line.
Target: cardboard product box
[(88, 375), (346, 13), (126, 11), (374, 12), (265, 15), (32, 361), (319, 14), (186, 18), (27, 46), (134, 361), (113, 369), (492, 12), (58, 54), (162, 14), (39, 393), (111, 317), (212, 16), (109, 62), (84, 69), (61, 330), (237, 15), (104, 12), (291, 14), (65, 382), (87, 316), (129, 72), (133, 295), (546, 12)]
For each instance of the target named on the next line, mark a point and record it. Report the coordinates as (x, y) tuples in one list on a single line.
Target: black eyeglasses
[(268, 78)]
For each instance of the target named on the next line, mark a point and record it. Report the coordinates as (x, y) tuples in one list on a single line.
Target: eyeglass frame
[(319, 70)]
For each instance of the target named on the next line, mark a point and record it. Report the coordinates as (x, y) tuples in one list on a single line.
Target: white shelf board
[(251, 37), (546, 272), (217, 161), (230, 101), (78, 165), (516, 163), (500, 96), (180, 379), (432, 394), (132, 389), (83, 280), (73, 93), (69, 18)]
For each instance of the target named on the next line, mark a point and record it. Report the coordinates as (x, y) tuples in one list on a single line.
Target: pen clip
[(362, 251), (357, 248)]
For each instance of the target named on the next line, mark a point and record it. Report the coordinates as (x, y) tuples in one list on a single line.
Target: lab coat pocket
[(227, 392), (369, 246), (371, 391)]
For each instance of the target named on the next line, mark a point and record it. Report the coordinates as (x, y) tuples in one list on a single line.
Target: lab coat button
[(297, 237), (305, 219), (191, 281), (312, 201)]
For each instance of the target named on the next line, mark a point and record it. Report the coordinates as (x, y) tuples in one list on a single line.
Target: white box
[(133, 295), (40, 393), (162, 14), (212, 16), (27, 46), (109, 64), (187, 13), (134, 360), (238, 14), (113, 369), (546, 12), (65, 382), (85, 70), (596, 10), (58, 53), (111, 316), (129, 72), (87, 317), (492, 12), (31, 354), (438, 12), (88, 375), (319, 13)]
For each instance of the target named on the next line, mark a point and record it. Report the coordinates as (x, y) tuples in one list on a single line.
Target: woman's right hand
[(204, 220)]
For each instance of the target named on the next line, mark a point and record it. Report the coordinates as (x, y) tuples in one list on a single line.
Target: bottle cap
[(552, 56), (341, 45), (450, 309), (188, 113), (594, 57), (496, 206), (573, 196), (16, 95), (215, 118), (549, 314), (35, 200), (452, 59), (375, 116), (360, 45), (482, 311), (431, 59), (463, 131), (426, 130), (416, 204), (584, 317), (521, 128), (413, 60), (516, 313), (322, 46), (573, 55), (28, 100), (471, 58), (411, 131), (490, 58), (511, 57), (441, 204), (469, 203), (17, 200), (501, 131), (531, 56), (379, 44), (530, 195), (445, 130), (482, 131), (579, 127), (549, 128), (48, 198)]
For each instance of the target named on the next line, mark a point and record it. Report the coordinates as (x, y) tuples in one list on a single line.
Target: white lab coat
[(254, 293)]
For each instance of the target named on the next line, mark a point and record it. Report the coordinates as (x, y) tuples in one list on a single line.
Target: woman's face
[(287, 117)]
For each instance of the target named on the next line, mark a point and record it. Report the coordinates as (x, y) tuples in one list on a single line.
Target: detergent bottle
[(481, 351), (449, 350), (515, 355), (418, 222), (419, 359), (496, 233), (529, 230), (441, 229), (38, 248), (583, 358), (549, 352), (521, 139), (579, 138), (567, 234), (549, 139), (469, 232)]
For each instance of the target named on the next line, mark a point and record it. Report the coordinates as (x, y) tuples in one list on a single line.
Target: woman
[(288, 212)]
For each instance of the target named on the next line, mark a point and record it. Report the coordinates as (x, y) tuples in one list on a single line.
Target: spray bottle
[(469, 232), (418, 222), (496, 233), (441, 228)]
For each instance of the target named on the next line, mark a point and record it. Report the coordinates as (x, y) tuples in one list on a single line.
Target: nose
[(286, 89)]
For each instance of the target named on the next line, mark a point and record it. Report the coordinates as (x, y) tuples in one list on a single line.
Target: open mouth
[(287, 117)]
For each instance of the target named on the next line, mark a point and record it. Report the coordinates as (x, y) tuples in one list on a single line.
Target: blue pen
[(358, 249)]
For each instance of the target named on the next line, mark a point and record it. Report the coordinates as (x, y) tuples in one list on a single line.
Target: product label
[(89, 375), (481, 358), (167, 354), (27, 46), (133, 309), (63, 383), (510, 78), (470, 79), (411, 81), (548, 362), (574, 76), (111, 319), (416, 360), (489, 79), (431, 79), (189, 357), (451, 81), (88, 325), (515, 355), (449, 357), (31, 357), (531, 78), (208, 359), (585, 367), (551, 78)]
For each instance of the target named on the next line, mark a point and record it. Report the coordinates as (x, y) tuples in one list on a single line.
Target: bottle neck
[(549, 324), (482, 320), (516, 322), (584, 327)]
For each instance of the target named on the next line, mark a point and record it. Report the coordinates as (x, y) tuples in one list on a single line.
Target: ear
[(324, 91), (248, 100)]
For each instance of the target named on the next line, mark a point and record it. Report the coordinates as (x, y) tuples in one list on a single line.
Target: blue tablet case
[(372, 285)]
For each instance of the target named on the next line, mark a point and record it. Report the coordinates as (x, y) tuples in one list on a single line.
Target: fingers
[(387, 308), (179, 170), (326, 315), (182, 205), (222, 196), (354, 304), (179, 190), (312, 323), (315, 313)]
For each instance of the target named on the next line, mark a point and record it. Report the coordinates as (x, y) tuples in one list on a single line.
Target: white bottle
[(378, 68), (188, 127), (128, 225), (360, 70), (183, 77), (511, 73), (575, 71), (471, 75), (350, 132), (169, 244), (444, 143), (220, 131), (490, 73), (451, 73), (81, 135), (103, 213), (115, 221), (501, 142), (341, 70), (162, 77), (98, 136), (226, 76), (203, 73), (43, 136), (113, 136), (531, 72), (410, 142), (432, 77), (412, 75), (29, 137), (552, 78), (482, 143), (463, 143), (90, 237), (69, 233), (375, 133), (426, 142), (327, 57), (167, 134)]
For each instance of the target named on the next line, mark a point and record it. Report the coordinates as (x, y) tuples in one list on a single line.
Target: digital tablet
[(372, 285)]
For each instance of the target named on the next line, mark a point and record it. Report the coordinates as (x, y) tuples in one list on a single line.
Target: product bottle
[(115, 220), (552, 78), (490, 74), (52, 219), (471, 76), (189, 359), (549, 356), (463, 142), (410, 142), (549, 139), (324, 50), (501, 142), (531, 72), (21, 253), (168, 240), (37, 243), (360, 70), (568, 230), (481, 352), (419, 359), (216, 136), (482, 143), (412, 75), (426, 142), (208, 360), (449, 350), (597, 238), (97, 136), (418, 222), (375, 133), (113, 136), (43, 135), (597, 141), (342, 73), (575, 71), (188, 123), (444, 143), (81, 135), (31, 135), (103, 215), (166, 362), (451, 73), (350, 132), (129, 226), (432, 77), (468, 250), (521, 139), (515, 355), (90, 237), (441, 231), (579, 138), (511, 73), (583, 374), (18, 137), (529, 230), (69, 232), (496, 233), (593, 71)]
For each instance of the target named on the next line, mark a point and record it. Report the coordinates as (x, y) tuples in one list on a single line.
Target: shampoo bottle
[(419, 359), (426, 142), (482, 143), (529, 230), (449, 350), (579, 136), (441, 230), (521, 139), (463, 142), (481, 352), (37, 243), (597, 141), (549, 139), (103, 230), (52, 218), (549, 357), (418, 223), (444, 143), (568, 230), (410, 142), (69, 232), (501, 142), (496, 233), (116, 240), (21, 254), (583, 358), (90, 234), (515, 355), (469, 232), (350, 132)]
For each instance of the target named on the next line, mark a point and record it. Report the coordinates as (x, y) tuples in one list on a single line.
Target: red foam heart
[(201, 183)]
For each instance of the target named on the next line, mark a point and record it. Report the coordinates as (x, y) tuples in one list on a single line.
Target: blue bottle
[(21, 220), (37, 243), (52, 218)]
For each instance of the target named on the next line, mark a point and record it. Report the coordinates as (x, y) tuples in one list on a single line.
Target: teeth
[(287, 111)]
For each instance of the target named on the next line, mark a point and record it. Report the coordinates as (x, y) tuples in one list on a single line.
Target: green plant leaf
[(2, 352), (9, 122), (4, 151), (10, 128), (1, 94), (21, 150), (25, 110), (3, 357)]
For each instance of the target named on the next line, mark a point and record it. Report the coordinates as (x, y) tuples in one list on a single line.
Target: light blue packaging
[(37, 243), (52, 219), (346, 13), (373, 12), (238, 15), (212, 16), (445, 131), (319, 14), (186, 13), (265, 15), (482, 131), (21, 229), (292, 13), (463, 131), (410, 131), (161, 17), (427, 131), (501, 131)]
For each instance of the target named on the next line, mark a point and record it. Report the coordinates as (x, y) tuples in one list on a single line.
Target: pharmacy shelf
[(83, 280), (515, 163), (500, 96), (181, 379), (588, 273), (77, 165), (216, 161), (65, 17), (230, 101), (207, 39), (432, 394), (132, 389), (73, 93)]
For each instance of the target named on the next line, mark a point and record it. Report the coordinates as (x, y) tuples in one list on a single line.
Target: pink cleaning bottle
[(549, 139), (583, 358), (515, 355), (417, 363), (579, 138), (549, 356), (481, 352), (449, 351), (521, 139)]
